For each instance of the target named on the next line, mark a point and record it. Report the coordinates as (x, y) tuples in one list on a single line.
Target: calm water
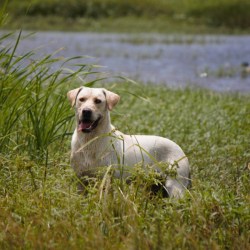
[(212, 62)]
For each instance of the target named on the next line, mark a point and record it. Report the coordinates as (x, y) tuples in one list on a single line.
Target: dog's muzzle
[(86, 124)]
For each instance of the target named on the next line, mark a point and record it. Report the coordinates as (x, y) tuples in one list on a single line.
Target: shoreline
[(132, 25)]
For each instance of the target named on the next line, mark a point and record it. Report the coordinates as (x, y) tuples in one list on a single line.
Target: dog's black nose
[(86, 113)]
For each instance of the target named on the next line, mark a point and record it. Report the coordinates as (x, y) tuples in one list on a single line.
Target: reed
[(34, 111)]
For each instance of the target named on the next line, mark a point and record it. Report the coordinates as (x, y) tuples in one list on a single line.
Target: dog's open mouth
[(87, 126)]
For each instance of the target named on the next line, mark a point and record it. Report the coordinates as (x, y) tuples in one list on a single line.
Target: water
[(212, 62)]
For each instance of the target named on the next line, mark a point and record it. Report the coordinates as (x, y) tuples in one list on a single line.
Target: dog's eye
[(82, 99), (97, 101)]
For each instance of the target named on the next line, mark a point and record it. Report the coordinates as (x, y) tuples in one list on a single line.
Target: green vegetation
[(131, 15), (39, 204)]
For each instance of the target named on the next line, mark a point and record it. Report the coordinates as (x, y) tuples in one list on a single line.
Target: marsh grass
[(130, 15), (40, 207), (34, 110)]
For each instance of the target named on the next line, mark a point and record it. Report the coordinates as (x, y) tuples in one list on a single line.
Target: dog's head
[(92, 105)]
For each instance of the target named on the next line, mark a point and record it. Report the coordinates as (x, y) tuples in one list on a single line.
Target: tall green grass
[(34, 111), (40, 206)]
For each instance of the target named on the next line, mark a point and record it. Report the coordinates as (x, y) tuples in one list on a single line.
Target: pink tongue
[(84, 125)]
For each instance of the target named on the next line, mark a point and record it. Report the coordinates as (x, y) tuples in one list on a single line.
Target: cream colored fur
[(106, 146)]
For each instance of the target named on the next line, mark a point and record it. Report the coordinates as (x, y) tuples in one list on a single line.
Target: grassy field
[(40, 207), (189, 16)]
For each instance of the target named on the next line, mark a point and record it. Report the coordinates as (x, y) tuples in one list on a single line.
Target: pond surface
[(212, 62)]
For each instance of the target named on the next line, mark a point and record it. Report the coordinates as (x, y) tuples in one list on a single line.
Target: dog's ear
[(72, 95), (112, 98)]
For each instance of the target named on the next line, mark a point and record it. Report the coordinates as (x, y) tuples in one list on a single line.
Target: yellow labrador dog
[(96, 143)]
